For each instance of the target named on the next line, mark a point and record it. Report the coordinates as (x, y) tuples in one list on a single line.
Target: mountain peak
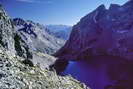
[(114, 6), (128, 4), (101, 7), (100, 24)]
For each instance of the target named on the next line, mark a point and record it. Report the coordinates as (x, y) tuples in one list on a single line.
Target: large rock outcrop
[(6, 32), (9, 38), (102, 32)]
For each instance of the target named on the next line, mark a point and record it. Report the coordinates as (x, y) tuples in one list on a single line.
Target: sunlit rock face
[(102, 32), (6, 31), (9, 38)]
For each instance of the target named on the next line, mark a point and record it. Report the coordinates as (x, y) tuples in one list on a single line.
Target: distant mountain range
[(60, 31)]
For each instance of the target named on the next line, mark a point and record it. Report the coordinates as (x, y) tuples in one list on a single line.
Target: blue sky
[(67, 12)]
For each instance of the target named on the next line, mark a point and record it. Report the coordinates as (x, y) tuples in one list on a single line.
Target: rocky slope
[(37, 36), (14, 74), (6, 34), (102, 32), (59, 31), (10, 40), (16, 68)]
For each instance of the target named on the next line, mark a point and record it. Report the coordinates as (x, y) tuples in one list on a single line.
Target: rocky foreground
[(16, 74), (17, 70)]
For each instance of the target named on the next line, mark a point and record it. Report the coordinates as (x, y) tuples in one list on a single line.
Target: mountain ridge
[(37, 36), (101, 30)]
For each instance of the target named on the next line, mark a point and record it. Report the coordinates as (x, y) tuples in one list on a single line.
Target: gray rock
[(10, 39), (6, 32), (43, 60), (16, 75), (22, 49)]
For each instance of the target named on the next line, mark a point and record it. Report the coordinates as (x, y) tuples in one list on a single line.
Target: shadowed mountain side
[(101, 32)]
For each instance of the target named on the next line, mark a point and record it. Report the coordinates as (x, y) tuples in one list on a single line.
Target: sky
[(65, 12)]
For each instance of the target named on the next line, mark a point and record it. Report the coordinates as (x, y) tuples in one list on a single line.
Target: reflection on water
[(93, 72)]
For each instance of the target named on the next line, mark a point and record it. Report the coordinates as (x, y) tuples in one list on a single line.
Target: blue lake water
[(92, 72)]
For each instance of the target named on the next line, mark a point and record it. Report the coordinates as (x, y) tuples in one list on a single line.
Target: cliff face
[(6, 32), (102, 32), (9, 38)]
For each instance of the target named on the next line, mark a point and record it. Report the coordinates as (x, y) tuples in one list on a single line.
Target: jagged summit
[(129, 3), (19, 21)]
